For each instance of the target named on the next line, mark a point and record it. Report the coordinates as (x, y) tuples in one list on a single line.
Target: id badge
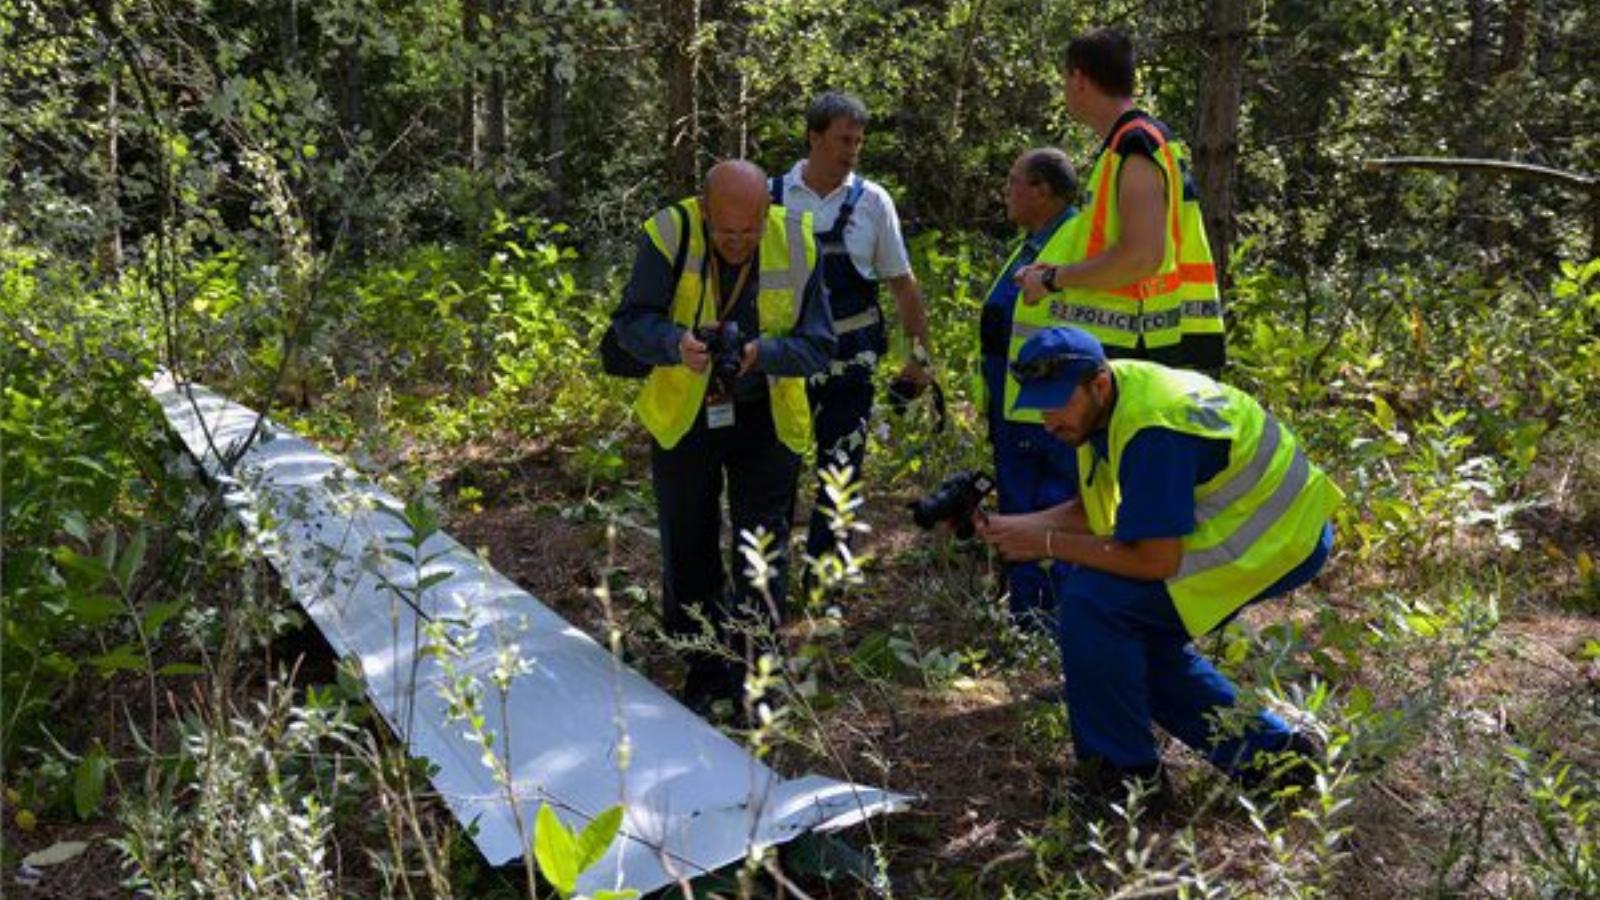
[(719, 415)]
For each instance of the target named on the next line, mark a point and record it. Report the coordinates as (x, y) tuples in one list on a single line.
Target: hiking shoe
[(1096, 789)]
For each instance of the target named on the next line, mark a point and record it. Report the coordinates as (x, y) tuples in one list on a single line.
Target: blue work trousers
[(1032, 471), (1129, 661)]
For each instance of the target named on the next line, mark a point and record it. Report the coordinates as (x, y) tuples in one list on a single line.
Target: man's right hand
[(1030, 280), (693, 352)]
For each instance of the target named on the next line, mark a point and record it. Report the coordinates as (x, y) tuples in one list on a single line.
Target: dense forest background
[(399, 226)]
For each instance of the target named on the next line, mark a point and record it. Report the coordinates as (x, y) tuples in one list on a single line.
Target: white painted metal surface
[(694, 800)]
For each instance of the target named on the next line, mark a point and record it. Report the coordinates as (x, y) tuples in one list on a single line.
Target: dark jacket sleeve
[(644, 318), (806, 350)]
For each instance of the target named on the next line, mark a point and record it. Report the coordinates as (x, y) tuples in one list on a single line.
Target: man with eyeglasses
[(1193, 502), (861, 245), (1033, 471), (729, 256)]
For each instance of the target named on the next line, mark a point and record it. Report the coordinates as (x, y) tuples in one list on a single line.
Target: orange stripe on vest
[(1155, 284)]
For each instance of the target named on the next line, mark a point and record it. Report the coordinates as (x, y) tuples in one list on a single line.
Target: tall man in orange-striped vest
[(731, 257), (1193, 502), (1141, 278)]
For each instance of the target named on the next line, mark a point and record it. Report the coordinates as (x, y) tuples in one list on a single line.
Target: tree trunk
[(1216, 146), (1470, 208), (1513, 38), (469, 86), (494, 139), (352, 119), (555, 140), (109, 251), (289, 31), (683, 101), (722, 113)]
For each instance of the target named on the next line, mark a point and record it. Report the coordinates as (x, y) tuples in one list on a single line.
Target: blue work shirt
[(994, 328), (645, 328), (1159, 471)]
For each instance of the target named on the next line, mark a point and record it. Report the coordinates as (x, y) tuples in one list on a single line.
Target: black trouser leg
[(841, 407), (688, 486), (762, 477)]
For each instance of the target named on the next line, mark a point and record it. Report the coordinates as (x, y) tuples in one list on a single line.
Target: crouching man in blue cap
[(1193, 502)]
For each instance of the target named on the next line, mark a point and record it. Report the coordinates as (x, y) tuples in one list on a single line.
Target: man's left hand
[(747, 359)]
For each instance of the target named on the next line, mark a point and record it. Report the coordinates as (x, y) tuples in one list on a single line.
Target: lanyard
[(724, 306)]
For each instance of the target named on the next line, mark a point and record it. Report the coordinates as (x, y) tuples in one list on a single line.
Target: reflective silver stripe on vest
[(794, 278), (857, 322), (1075, 314), (1202, 309), (1161, 321), (1254, 527), (667, 226), (1132, 323), (1246, 478)]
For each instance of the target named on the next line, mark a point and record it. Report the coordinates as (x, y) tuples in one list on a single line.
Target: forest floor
[(961, 730), (988, 761)]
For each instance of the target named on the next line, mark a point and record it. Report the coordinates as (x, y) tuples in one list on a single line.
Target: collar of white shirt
[(796, 179)]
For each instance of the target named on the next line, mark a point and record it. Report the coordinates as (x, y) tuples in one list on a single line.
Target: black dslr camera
[(726, 350), (953, 501)]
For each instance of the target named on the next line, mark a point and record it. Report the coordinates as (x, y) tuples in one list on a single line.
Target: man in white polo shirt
[(858, 236)]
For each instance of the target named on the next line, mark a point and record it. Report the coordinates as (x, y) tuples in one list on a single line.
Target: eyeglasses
[(1052, 366), (731, 234)]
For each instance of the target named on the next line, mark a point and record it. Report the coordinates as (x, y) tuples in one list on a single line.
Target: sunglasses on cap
[(1052, 366)]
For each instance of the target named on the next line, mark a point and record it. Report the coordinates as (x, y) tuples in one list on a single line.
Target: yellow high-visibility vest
[(1028, 319), (1181, 297), (672, 395), (1255, 521)]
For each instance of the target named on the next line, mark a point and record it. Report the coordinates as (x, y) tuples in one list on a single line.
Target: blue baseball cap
[(1052, 364)]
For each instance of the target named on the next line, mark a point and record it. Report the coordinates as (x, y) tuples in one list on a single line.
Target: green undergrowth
[(1440, 659)]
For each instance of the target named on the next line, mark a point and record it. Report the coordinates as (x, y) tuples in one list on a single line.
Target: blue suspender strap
[(857, 187)]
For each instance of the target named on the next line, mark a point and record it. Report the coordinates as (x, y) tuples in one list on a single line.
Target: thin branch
[(1576, 180)]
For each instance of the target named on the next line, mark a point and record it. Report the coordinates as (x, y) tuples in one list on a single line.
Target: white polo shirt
[(873, 236)]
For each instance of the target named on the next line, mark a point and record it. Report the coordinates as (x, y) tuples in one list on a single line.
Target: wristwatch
[(1048, 279)]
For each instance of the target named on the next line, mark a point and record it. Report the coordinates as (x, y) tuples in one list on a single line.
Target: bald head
[(735, 207), (737, 179)]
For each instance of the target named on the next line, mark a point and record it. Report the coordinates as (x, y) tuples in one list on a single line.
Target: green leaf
[(597, 836), (556, 851), (158, 615), (90, 568), (74, 524), (181, 669), (108, 552), (131, 559), (1383, 414), (434, 579), (94, 609), (1427, 626), (89, 782), (124, 658), (624, 894)]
